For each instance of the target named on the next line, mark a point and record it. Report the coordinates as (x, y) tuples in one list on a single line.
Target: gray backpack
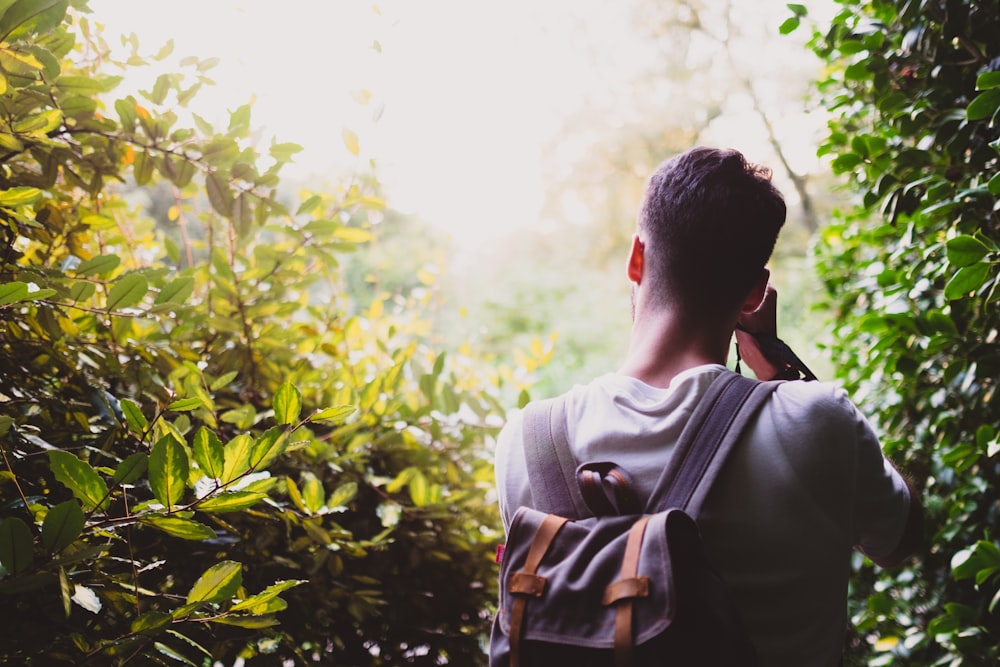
[(589, 577)]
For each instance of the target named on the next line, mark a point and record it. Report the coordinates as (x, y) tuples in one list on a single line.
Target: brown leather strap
[(526, 583), (628, 587)]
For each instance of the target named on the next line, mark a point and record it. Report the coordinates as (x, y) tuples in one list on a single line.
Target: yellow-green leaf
[(168, 470), (80, 478), (19, 196), (344, 494), (151, 621), (183, 528), (231, 502), (134, 419), (287, 404), (217, 583), (268, 447), (249, 622), (313, 494), (13, 292), (186, 404), (335, 414), (209, 453), (40, 123), (132, 468), (236, 457)]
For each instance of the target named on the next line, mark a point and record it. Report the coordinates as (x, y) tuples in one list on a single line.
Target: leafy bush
[(912, 276), (203, 434)]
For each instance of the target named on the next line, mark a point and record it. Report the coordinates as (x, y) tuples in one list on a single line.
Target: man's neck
[(663, 345)]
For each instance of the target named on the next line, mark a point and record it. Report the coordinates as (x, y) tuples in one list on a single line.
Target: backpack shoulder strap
[(714, 428), (549, 461)]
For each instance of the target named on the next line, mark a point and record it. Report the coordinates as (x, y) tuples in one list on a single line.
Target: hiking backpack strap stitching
[(624, 591), (549, 461), (526, 583)]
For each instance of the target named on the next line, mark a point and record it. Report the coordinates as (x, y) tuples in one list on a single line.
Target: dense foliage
[(211, 450), (912, 275)]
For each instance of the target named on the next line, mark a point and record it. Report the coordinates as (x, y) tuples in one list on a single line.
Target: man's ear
[(636, 260), (756, 296)]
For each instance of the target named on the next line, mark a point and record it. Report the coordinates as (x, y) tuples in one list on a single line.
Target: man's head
[(708, 224)]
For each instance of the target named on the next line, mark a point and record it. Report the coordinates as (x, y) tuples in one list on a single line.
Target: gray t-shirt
[(806, 484)]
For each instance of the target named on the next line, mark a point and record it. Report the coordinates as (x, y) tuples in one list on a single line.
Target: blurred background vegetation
[(257, 336)]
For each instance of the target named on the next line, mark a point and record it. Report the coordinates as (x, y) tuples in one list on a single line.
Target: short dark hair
[(709, 221)]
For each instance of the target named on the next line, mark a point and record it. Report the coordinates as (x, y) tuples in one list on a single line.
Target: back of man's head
[(709, 221)]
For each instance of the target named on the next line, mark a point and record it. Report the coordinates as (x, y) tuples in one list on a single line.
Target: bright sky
[(465, 92)]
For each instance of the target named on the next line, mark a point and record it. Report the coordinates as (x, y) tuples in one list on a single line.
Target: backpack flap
[(565, 601)]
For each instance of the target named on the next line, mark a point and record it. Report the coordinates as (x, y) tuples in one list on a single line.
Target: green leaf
[(966, 250), (231, 502), (218, 583), (789, 25), (168, 470), (236, 457), (287, 404), (100, 265), (176, 291), (134, 419), (13, 292), (31, 16), (63, 524), (223, 380), (335, 414), (19, 196), (172, 654), (209, 453), (80, 478), (254, 603), (16, 545), (988, 80), (127, 291), (81, 291), (151, 621), (183, 528), (219, 194), (268, 447), (186, 404), (344, 494), (132, 468), (966, 280), (984, 105), (249, 622), (313, 495), (994, 185)]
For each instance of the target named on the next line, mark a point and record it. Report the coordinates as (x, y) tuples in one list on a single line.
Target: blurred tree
[(695, 73)]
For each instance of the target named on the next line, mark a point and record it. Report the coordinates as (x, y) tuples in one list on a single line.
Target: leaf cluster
[(212, 450), (912, 274)]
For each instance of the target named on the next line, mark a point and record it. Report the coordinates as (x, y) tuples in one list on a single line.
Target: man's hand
[(763, 320)]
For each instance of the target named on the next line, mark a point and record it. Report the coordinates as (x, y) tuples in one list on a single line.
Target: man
[(808, 481)]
